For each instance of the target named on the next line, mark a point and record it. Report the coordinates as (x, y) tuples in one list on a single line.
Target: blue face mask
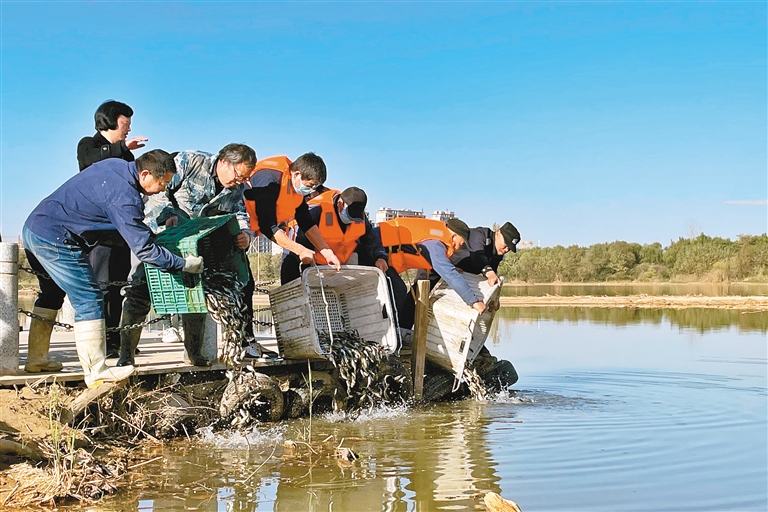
[(344, 216), (303, 189)]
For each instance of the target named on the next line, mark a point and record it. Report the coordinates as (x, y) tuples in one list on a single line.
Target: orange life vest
[(288, 199), (342, 243), (399, 237)]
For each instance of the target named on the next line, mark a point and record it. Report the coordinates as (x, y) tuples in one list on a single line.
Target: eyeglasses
[(240, 178)]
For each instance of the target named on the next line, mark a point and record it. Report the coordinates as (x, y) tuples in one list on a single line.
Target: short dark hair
[(108, 112), (238, 153), (311, 167), (157, 162)]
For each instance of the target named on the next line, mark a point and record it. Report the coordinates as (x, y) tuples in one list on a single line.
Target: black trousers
[(291, 267), (111, 264), (406, 311), (50, 296), (247, 295)]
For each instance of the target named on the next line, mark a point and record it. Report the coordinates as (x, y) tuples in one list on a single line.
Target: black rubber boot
[(113, 344), (129, 339), (194, 324)]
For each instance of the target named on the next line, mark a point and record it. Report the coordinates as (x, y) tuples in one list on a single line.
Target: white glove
[(193, 264)]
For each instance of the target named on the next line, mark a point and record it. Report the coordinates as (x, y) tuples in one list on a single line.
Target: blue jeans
[(69, 268)]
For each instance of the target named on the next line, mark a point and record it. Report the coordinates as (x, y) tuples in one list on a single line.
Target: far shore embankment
[(639, 301), (641, 295)]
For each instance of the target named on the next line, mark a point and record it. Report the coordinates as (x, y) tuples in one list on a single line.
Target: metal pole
[(9, 308)]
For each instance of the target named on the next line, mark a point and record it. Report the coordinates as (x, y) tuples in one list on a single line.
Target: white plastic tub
[(357, 299), (456, 332)]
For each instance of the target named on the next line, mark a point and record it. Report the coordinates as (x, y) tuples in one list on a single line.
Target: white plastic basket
[(356, 298), (456, 332)]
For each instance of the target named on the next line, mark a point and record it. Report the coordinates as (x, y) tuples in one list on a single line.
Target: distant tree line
[(702, 258)]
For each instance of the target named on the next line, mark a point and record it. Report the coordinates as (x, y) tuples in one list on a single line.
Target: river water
[(615, 410)]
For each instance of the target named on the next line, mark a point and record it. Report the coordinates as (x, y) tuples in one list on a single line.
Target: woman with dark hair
[(113, 123), (111, 262)]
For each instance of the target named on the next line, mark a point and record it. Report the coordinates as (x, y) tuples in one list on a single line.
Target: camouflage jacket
[(192, 194)]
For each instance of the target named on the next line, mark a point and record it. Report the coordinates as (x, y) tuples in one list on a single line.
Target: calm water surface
[(615, 410)]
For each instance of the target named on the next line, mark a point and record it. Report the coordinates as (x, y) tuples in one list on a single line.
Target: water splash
[(382, 412), (256, 436)]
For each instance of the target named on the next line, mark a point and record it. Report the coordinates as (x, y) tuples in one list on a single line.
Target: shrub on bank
[(702, 258)]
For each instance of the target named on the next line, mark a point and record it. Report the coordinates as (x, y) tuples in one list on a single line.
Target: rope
[(394, 310), (327, 309)]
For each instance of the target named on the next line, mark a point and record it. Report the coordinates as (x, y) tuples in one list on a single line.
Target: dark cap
[(511, 236), (459, 227), (355, 199)]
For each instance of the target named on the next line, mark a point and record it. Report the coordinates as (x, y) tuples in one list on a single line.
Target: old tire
[(500, 376), (257, 392), (168, 414), (437, 386), (329, 395), (484, 361)]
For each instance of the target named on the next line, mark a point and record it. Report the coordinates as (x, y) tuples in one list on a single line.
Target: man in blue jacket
[(87, 209)]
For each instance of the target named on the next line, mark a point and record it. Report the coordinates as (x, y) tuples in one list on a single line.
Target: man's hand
[(241, 240), (307, 256), (479, 306), (172, 221), (492, 277), (331, 258), (193, 264), (135, 142), (381, 264)]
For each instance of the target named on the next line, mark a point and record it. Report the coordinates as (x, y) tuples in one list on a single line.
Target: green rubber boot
[(40, 342)]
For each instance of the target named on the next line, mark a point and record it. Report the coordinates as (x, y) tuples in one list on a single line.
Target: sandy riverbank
[(758, 303)]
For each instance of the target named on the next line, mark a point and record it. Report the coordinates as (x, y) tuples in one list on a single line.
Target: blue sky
[(579, 122)]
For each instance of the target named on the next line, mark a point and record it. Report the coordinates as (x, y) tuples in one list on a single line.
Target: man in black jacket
[(112, 262), (484, 248)]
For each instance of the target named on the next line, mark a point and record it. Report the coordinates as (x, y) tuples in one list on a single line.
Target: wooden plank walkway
[(155, 357)]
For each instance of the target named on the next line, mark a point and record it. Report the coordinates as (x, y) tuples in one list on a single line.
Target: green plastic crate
[(209, 237)]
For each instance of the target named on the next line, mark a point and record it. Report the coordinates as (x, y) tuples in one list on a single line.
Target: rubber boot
[(40, 341), (90, 341), (194, 329), (129, 339)]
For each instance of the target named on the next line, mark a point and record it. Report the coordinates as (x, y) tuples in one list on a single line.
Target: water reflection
[(619, 289), (698, 319), (614, 411), (432, 459)]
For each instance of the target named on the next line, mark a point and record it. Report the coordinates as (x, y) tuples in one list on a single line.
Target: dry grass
[(74, 466)]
